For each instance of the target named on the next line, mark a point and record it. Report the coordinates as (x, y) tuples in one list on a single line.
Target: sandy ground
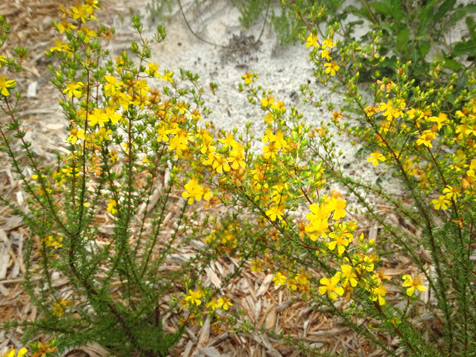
[(284, 69)]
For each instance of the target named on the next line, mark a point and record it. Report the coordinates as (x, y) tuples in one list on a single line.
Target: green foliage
[(160, 9), (117, 173), (250, 10), (423, 136), (419, 32)]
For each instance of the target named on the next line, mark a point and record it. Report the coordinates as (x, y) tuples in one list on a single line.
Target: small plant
[(160, 8), (423, 136), (128, 145)]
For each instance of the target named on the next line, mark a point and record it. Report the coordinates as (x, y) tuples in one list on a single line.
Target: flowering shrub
[(142, 159), (128, 144), (424, 137)]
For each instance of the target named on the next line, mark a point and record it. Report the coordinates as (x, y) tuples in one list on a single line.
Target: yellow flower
[(319, 212), (212, 305), (248, 77), (168, 76), (51, 241), (319, 226), (325, 54), (112, 85), (193, 191), (451, 192), (73, 89), (88, 33), (277, 140), (279, 106), (207, 193), (266, 102), (218, 162), (378, 294), (312, 41), (302, 280), (60, 46), (292, 284), (224, 303), (327, 43), (194, 297), (83, 13), (111, 207), (75, 135), (440, 120), (93, 3), (65, 26), (59, 307), (375, 157), (237, 157), (389, 110), (256, 265), (412, 284), (6, 83), (279, 279), (163, 134), (330, 287), (331, 68), (426, 137), (152, 70), (98, 116), (365, 264), (275, 212), (441, 202), (338, 206), (12, 353), (348, 276), (341, 239), (270, 151)]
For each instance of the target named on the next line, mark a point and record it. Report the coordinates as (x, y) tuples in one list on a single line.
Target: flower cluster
[(326, 48), (421, 133)]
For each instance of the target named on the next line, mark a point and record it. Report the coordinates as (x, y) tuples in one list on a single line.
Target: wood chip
[(265, 285), (210, 352), (204, 333), (5, 248), (270, 317)]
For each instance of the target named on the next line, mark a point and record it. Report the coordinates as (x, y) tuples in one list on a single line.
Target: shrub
[(121, 170), (423, 136)]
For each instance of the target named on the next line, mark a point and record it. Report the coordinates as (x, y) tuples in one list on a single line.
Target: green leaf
[(453, 64), (471, 26), (425, 17), (463, 47), (424, 49), (402, 39), (392, 8), (360, 153), (362, 12), (443, 10), (397, 11), (381, 7), (471, 8)]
